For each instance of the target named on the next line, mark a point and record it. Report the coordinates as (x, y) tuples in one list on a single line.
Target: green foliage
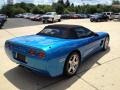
[(67, 3), (37, 10), (10, 10), (46, 8), (60, 7), (66, 11)]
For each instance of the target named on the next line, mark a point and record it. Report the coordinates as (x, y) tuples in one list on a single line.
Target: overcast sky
[(76, 2)]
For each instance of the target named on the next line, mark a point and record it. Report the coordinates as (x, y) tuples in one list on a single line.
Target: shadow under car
[(27, 80)]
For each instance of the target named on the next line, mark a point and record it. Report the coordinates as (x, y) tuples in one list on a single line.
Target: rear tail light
[(40, 54), (32, 52)]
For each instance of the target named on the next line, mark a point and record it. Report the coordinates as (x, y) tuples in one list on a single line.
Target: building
[(11, 2), (116, 6)]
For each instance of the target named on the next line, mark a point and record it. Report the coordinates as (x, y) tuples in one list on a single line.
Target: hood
[(37, 41), (47, 16)]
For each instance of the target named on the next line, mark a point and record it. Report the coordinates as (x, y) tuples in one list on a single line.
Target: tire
[(59, 20), (43, 21), (0, 27), (91, 20), (52, 20), (106, 20), (106, 43), (71, 65)]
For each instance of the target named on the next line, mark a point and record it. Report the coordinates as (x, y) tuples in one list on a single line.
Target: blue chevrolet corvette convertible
[(57, 49)]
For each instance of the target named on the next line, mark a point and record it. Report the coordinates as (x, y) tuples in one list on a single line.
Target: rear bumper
[(51, 68)]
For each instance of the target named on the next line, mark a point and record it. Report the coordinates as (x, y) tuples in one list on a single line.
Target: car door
[(90, 42)]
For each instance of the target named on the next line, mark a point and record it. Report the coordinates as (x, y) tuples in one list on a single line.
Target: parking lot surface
[(19, 22), (99, 72)]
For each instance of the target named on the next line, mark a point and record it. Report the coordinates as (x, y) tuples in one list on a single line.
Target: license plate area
[(20, 57)]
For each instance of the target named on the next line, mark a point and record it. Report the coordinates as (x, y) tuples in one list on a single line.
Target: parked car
[(84, 16), (109, 14), (116, 16), (65, 16), (57, 49), (99, 18), (74, 16), (2, 21), (19, 16), (28, 15), (36, 17), (39, 18), (51, 17), (4, 17)]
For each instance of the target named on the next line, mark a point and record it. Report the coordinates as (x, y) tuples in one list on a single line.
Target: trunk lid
[(37, 41)]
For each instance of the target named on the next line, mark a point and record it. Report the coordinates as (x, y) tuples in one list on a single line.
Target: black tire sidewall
[(104, 43), (66, 73)]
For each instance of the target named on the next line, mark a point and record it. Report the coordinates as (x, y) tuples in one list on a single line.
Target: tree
[(66, 11), (18, 11), (67, 3), (72, 5), (8, 10), (61, 2), (59, 6), (37, 10), (59, 9)]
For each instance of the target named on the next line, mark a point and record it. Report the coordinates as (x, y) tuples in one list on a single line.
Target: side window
[(83, 32)]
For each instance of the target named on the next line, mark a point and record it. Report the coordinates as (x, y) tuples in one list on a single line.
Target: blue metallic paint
[(56, 51)]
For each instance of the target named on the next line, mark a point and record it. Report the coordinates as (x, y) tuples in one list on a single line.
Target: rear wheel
[(52, 20), (43, 21), (106, 43), (72, 64), (59, 20)]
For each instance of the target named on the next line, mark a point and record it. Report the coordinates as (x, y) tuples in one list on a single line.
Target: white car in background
[(116, 16), (109, 14), (28, 15), (51, 17)]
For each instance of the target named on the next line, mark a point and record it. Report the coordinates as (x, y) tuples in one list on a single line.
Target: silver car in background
[(116, 16)]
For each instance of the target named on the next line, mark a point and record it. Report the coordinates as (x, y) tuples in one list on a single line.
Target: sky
[(76, 2)]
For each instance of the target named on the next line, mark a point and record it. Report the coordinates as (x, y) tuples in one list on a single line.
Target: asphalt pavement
[(19, 22), (99, 72)]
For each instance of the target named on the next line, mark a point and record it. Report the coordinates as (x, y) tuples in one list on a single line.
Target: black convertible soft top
[(63, 26), (61, 31)]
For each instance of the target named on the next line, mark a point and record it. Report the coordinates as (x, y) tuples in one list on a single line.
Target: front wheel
[(72, 64), (106, 43)]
